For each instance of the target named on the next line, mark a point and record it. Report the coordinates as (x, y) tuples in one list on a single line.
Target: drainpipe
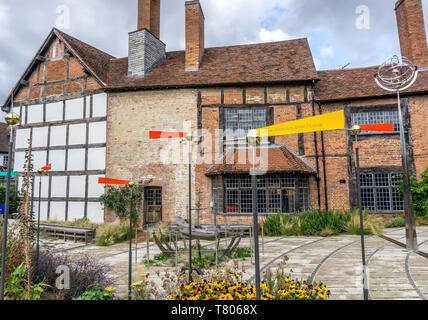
[(316, 147), (323, 162)]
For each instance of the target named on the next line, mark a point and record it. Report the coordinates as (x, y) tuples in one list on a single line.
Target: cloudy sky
[(358, 32)]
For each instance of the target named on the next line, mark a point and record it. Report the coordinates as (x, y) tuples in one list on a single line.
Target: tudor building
[(90, 115)]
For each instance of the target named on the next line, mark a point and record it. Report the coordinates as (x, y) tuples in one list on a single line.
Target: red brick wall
[(195, 37)]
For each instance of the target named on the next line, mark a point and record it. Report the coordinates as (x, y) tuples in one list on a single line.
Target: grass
[(322, 223)]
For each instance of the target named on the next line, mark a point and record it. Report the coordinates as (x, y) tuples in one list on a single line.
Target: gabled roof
[(358, 83), (285, 61), (94, 60), (280, 159)]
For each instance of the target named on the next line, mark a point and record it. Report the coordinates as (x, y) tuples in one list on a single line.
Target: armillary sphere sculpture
[(396, 75)]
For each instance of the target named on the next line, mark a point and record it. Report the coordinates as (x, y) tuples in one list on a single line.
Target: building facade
[(90, 115)]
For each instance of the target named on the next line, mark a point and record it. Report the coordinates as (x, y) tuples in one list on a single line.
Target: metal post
[(148, 245), (130, 250), (256, 233), (38, 221), (5, 217), (363, 250), (411, 239), (190, 211), (136, 245)]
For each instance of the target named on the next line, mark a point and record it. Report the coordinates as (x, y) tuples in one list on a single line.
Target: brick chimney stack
[(149, 16), (411, 30), (195, 35), (145, 48)]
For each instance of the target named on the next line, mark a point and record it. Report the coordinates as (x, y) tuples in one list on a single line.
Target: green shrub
[(111, 233), (398, 222), (16, 286), (419, 191), (14, 199), (99, 294)]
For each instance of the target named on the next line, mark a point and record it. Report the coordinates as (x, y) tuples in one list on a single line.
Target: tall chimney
[(195, 35), (145, 48), (149, 16), (411, 30)]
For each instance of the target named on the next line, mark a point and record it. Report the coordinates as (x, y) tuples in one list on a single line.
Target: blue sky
[(330, 26)]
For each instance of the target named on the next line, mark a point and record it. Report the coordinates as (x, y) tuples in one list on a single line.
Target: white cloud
[(327, 52), (271, 36), (4, 21)]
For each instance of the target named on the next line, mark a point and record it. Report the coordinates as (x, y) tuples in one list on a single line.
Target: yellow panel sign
[(325, 122)]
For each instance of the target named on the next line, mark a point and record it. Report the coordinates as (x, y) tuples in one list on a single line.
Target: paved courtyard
[(394, 272)]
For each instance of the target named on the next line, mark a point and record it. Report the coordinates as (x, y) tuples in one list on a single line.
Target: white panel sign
[(95, 212), (22, 136), (76, 210), (99, 105), (57, 211), (77, 186), (54, 111), (74, 109), (77, 134), (97, 132), (58, 136), (57, 159), (76, 160), (39, 159), (40, 137), (35, 114), (97, 159), (95, 189), (59, 187)]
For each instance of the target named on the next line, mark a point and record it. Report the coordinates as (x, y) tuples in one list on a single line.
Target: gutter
[(316, 147), (323, 161)]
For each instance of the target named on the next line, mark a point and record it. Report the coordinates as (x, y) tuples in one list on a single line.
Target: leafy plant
[(99, 294), (17, 286), (14, 198), (419, 191), (398, 222), (15, 252), (86, 273), (118, 199)]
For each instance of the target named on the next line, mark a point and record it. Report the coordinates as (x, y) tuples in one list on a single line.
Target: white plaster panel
[(45, 187), (17, 110), (59, 187), (77, 186), (97, 159), (74, 109), (95, 189), (39, 159), (95, 212), (77, 134), (99, 105), (76, 210), (88, 109), (22, 136), (57, 159), (54, 111), (58, 136), (43, 210), (35, 114), (57, 211), (76, 160), (97, 132), (40, 137)]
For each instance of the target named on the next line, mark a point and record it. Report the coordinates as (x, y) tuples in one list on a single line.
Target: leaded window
[(240, 121), (379, 192), (376, 117), (275, 193)]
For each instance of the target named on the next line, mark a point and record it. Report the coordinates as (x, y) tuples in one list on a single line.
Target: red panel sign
[(112, 181), (166, 135), (384, 127)]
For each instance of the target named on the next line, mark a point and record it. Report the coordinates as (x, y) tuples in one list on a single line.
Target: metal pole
[(190, 211), (38, 221), (148, 245), (411, 238), (136, 245), (130, 250), (5, 217), (256, 226), (363, 250)]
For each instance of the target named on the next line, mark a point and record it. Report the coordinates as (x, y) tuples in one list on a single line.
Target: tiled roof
[(256, 63), (96, 60), (347, 84), (279, 159)]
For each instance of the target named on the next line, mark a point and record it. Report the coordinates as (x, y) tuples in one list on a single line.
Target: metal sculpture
[(396, 75)]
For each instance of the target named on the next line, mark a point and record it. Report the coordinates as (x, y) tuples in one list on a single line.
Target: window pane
[(232, 201), (366, 180), (246, 201), (382, 200), (392, 117), (261, 201), (274, 201), (245, 115), (395, 178), (245, 181), (231, 115), (367, 199), (260, 115), (232, 182), (273, 181), (261, 182), (376, 117), (359, 118), (397, 201), (382, 179), (287, 181)]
